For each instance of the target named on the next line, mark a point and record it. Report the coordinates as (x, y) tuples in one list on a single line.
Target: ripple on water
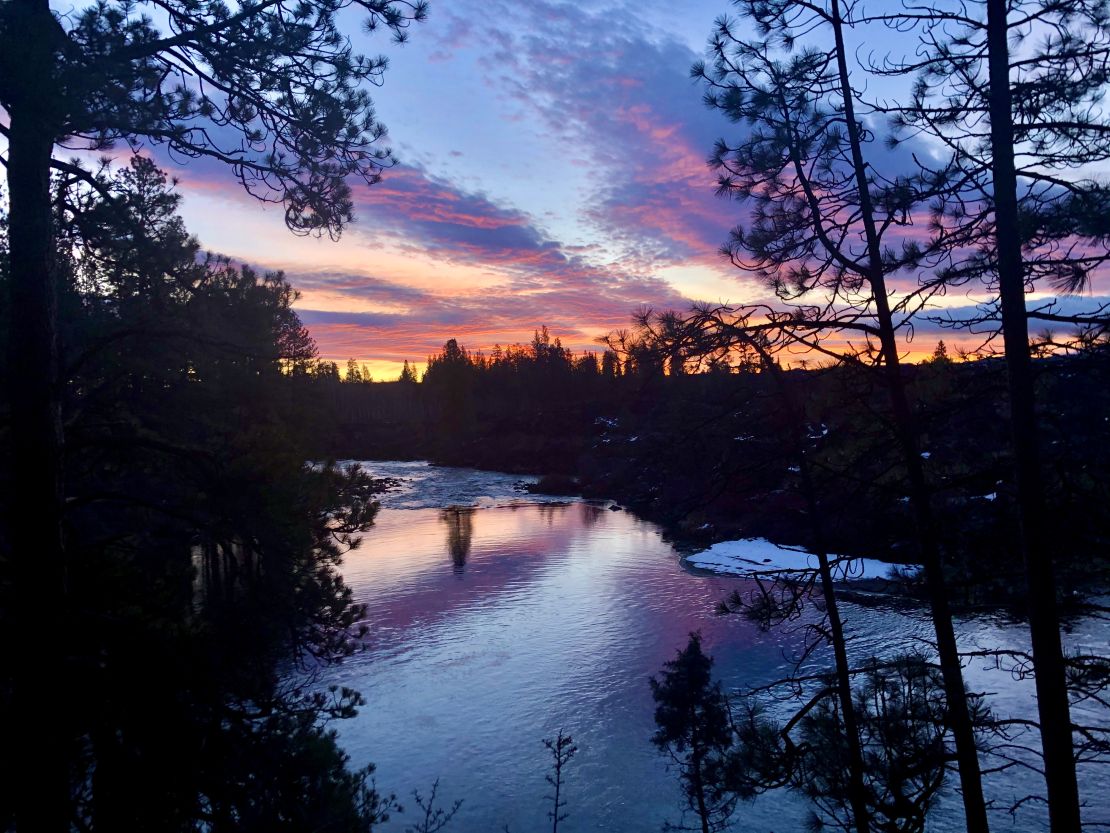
[(497, 617)]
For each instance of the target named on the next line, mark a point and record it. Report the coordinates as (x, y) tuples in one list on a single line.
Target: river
[(497, 617)]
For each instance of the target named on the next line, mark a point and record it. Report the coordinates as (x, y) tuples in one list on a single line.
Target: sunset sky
[(552, 171)]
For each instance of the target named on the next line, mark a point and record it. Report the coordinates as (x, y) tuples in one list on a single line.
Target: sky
[(551, 171)]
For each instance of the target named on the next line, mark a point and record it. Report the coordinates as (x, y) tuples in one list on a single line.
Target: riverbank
[(421, 484), (709, 459)]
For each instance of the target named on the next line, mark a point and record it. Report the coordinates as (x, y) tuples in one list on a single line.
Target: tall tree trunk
[(699, 786), (1044, 624), (959, 717), (39, 752), (857, 795), (857, 791)]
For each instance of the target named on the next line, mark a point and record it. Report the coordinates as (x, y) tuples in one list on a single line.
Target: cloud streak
[(528, 279), (557, 177)]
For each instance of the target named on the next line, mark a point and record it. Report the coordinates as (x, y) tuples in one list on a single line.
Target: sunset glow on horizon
[(551, 172)]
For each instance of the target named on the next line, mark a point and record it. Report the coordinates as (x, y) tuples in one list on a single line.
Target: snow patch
[(758, 556)]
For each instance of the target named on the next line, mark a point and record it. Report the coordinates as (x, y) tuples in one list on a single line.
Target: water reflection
[(491, 628), (460, 533), (561, 614)]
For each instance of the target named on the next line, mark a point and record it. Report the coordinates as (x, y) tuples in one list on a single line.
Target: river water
[(497, 618)]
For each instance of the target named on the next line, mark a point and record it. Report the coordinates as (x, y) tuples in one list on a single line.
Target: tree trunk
[(857, 796), (857, 791), (1044, 625), (40, 746), (959, 717), (699, 787)]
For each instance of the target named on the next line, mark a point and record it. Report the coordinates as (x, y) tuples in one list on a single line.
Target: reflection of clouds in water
[(560, 616)]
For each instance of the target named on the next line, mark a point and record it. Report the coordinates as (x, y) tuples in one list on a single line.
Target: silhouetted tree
[(1014, 90), (610, 365), (326, 371), (901, 711), (434, 818), (408, 375), (817, 238), (562, 749), (272, 89), (694, 731), (205, 550), (451, 376)]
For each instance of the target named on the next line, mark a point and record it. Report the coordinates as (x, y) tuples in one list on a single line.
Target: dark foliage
[(706, 454), (695, 732), (901, 713), (562, 749), (204, 547), (725, 755), (434, 818)]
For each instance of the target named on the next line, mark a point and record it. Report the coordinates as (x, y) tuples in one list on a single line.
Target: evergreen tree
[(1037, 72), (828, 233), (694, 731), (205, 549), (408, 375), (287, 92)]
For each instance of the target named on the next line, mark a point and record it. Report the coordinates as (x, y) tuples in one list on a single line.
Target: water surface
[(496, 620)]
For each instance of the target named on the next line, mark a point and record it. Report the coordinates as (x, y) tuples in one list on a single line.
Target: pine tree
[(408, 375), (694, 731), (828, 233), (1014, 90), (288, 93)]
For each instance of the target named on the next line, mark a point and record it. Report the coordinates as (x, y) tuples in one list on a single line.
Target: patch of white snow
[(758, 556)]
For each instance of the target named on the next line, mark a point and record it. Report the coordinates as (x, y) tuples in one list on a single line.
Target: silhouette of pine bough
[(901, 712)]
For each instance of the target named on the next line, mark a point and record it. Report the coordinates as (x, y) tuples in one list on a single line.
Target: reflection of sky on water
[(491, 628)]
